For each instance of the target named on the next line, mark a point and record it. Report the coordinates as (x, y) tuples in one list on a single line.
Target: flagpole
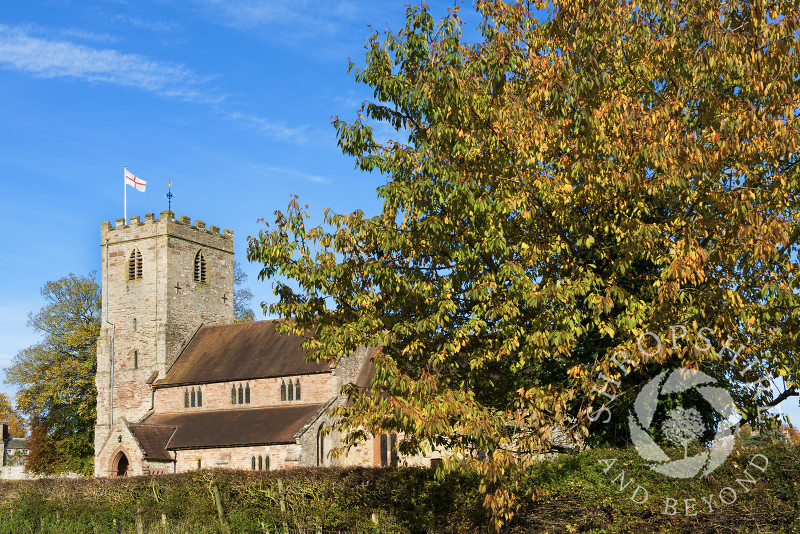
[(125, 189)]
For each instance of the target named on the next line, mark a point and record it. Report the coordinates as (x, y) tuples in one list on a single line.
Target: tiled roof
[(242, 351), (16, 443), (235, 427), (153, 439)]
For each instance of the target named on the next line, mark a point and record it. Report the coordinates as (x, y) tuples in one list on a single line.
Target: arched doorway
[(121, 464)]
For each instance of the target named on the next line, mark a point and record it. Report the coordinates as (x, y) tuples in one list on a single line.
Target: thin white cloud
[(87, 36), (46, 58), (294, 22), (150, 25), (279, 130), (24, 48), (292, 174)]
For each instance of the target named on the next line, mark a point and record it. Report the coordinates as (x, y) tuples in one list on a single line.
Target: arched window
[(247, 394), (260, 463), (283, 390), (290, 390), (193, 398), (321, 445), (266, 463), (241, 394), (199, 267), (233, 397), (199, 397), (384, 450), (253, 462), (297, 389), (388, 450), (135, 265), (186, 398)]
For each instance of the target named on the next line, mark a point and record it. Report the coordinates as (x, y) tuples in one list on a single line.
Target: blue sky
[(230, 100)]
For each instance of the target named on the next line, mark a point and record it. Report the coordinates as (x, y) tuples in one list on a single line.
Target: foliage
[(575, 494), (242, 296), (55, 377), (16, 425), (683, 427), (553, 193)]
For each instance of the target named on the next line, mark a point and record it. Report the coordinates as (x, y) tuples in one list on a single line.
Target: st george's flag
[(133, 181)]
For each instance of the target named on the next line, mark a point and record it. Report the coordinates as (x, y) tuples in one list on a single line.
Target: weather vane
[(169, 196)]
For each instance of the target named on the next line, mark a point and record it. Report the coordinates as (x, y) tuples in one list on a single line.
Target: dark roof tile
[(242, 351), (230, 428), (153, 439)]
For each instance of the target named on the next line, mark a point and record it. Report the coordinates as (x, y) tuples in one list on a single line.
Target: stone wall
[(280, 457), (120, 441), (314, 389), (150, 319), (14, 472), (349, 366)]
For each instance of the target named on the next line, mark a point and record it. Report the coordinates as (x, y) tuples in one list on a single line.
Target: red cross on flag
[(133, 181)]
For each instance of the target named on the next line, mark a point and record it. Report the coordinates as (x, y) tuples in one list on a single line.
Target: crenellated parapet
[(166, 219), (162, 279)]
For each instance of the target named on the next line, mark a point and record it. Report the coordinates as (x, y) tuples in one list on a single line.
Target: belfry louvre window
[(200, 267), (135, 265)]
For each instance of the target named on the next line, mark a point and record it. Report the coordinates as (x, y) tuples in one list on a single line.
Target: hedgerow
[(576, 492)]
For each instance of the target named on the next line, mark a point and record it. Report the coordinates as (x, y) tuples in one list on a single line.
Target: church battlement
[(165, 217), (162, 279)]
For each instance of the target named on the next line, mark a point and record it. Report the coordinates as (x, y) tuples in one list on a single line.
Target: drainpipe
[(113, 333)]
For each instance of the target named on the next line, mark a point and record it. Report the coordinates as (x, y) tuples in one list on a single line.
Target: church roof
[(241, 351), (231, 428), (153, 440)]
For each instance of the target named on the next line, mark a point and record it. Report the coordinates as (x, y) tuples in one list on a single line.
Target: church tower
[(162, 279)]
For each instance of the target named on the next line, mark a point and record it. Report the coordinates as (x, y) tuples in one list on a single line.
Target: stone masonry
[(148, 320)]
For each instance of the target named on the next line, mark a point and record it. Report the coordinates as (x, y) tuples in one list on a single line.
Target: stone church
[(180, 386)]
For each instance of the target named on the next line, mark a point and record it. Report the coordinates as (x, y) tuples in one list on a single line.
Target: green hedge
[(574, 494)]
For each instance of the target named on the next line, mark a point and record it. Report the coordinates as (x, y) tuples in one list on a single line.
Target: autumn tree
[(8, 413), (242, 296), (555, 191), (55, 377)]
